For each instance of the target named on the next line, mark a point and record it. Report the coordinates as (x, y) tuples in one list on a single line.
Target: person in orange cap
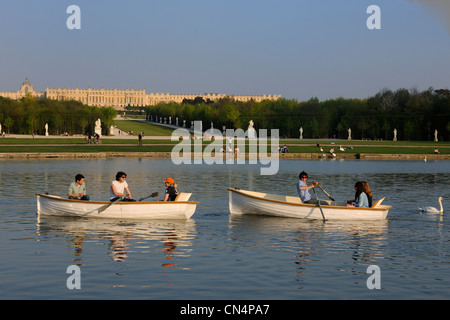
[(171, 190)]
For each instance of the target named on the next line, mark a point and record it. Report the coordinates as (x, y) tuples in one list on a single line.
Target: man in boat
[(302, 187), (77, 189)]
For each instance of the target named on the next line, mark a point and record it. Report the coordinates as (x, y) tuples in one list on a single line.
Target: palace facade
[(25, 88), (119, 98)]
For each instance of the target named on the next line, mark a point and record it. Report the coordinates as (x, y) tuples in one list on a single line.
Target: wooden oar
[(154, 194), (318, 203), (106, 206), (328, 195)]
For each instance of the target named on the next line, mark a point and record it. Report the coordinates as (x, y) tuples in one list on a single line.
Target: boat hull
[(256, 203), (55, 206)]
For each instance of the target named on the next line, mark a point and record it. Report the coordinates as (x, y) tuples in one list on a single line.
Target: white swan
[(433, 209)]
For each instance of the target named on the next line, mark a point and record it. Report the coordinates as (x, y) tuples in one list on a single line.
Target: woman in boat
[(302, 187), (119, 188), (368, 192), (171, 190), (361, 200)]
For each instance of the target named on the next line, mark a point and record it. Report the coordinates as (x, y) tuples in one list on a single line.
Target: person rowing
[(302, 187), (119, 188)]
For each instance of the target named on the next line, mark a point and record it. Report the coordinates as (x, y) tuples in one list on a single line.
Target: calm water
[(215, 256)]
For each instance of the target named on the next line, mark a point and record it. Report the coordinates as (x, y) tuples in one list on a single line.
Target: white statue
[(251, 132), (435, 135), (98, 127), (46, 129), (349, 134), (395, 135), (301, 133)]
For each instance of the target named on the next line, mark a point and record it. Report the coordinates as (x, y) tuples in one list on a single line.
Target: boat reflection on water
[(313, 242), (124, 238)]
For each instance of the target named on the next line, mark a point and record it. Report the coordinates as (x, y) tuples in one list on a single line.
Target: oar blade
[(154, 194), (103, 208), (318, 203), (106, 206)]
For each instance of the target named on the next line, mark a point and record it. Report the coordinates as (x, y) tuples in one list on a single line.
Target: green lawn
[(129, 144), (11, 141), (77, 141), (371, 149), (83, 149), (148, 128), (168, 148), (346, 143)]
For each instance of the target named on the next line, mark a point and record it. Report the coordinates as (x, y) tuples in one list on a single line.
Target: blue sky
[(295, 48)]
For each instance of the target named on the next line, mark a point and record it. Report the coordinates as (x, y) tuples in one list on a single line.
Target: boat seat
[(183, 196), (293, 199), (378, 203)]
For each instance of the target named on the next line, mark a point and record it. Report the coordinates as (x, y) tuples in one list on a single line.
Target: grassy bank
[(167, 146), (76, 141), (52, 144), (148, 128)]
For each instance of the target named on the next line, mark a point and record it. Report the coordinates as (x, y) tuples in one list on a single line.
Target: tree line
[(414, 114), (29, 115)]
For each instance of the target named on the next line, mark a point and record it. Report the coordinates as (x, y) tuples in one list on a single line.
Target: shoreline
[(166, 155)]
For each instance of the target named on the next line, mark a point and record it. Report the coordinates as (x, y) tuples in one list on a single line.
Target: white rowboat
[(181, 208), (258, 203)]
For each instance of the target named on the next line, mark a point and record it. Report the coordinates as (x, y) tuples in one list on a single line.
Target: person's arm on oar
[(128, 193), (119, 194), (314, 183)]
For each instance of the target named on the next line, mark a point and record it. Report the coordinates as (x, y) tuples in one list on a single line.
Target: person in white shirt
[(119, 188)]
